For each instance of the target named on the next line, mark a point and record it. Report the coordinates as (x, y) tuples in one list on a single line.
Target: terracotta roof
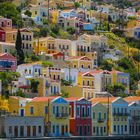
[(72, 99), (132, 98), (43, 99), (103, 100), (115, 71)]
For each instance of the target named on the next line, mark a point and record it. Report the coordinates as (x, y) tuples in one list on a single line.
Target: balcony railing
[(84, 116), (120, 114), (100, 120), (61, 115), (136, 117)]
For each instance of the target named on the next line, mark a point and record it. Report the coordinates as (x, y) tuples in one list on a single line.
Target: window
[(88, 83), (88, 111), (94, 129), (53, 128), (83, 82), (114, 128), (82, 66), (104, 115), (88, 129), (39, 129), (104, 129), (53, 109), (93, 115), (21, 130), (125, 127), (46, 109), (10, 129), (31, 110), (78, 110)]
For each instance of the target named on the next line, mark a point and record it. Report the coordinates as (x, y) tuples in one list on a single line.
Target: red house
[(55, 56), (7, 62), (80, 117)]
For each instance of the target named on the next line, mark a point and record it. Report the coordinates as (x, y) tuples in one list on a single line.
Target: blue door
[(54, 89), (22, 112)]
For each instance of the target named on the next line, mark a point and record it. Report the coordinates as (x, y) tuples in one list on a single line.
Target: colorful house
[(7, 62), (27, 40), (118, 119), (99, 119), (119, 77), (134, 114), (56, 113), (7, 47), (29, 70), (85, 79), (80, 62), (5, 23), (103, 78), (8, 35), (80, 117), (40, 45)]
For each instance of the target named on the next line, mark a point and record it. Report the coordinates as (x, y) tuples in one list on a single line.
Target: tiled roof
[(72, 99), (43, 99), (103, 100), (132, 98)]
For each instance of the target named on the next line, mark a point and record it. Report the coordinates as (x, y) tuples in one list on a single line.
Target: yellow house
[(4, 106), (86, 79), (118, 122), (122, 78), (51, 45), (10, 35), (99, 119), (40, 45), (17, 105), (56, 113), (80, 62)]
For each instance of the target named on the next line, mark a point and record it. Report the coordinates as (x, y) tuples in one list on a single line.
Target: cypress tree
[(19, 50)]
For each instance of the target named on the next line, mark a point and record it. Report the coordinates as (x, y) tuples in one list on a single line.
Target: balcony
[(120, 114), (84, 116), (100, 120), (61, 115), (136, 117)]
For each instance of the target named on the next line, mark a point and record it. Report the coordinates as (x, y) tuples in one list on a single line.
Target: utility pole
[(108, 117), (48, 11), (69, 74)]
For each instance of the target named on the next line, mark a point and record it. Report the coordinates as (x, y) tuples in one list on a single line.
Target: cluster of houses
[(58, 116), (88, 109)]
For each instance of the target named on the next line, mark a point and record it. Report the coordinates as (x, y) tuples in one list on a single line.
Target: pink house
[(5, 23), (7, 62)]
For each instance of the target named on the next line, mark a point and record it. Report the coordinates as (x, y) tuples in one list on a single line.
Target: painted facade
[(121, 78), (7, 62), (80, 117), (99, 119), (56, 113)]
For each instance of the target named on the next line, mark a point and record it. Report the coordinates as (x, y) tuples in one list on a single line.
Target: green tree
[(18, 46), (43, 32), (47, 64), (116, 89), (107, 65), (71, 30), (9, 10), (34, 85), (7, 78), (64, 94), (76, 5), (28, 13)]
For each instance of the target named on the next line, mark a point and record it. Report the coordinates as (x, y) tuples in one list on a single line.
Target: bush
[(136, 57), (47, 64), (28, 13)]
